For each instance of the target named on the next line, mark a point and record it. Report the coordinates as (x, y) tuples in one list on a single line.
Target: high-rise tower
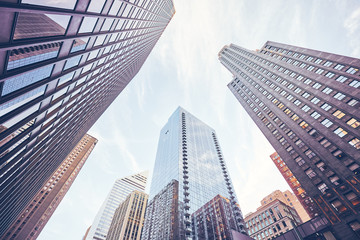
[(190, 156), (119, 192), (306, 103), (61, 65), (33, 219)]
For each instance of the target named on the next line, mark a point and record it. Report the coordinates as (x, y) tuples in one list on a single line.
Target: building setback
[(62, 64), (119, 192), (189, 152), (306, 103), (308, 209), (128, 219), (33, 219)]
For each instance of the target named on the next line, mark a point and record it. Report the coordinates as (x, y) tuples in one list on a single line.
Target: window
[(310, 68), (339, 66), (319, 71), (353, 122), (317, 85), (307, 81), (339, 96), (355, 142), (305, 108), (339, 114), (353, 198), (326, 122), (297, 102), (315, 115), (318, 61), (341, 79), (352, 102), (303, 124), (311, 174), (340, 132), (330, 74), (322, 187), (352, 70), (326, 107), (306, 95), (355, 84), (327, 90), (315, 100), (325, 142), (338, 206), (327, 63)]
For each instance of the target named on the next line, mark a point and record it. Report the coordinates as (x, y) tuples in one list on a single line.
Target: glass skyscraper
[(189, 152), (62, 63), (306, 102), (119, 192)]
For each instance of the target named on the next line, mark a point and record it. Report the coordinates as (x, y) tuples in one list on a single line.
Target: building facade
[(189, 152), (161, 218), (271, 220), (33, 219), (308, 209), (214, 220), (119, 192), (128, 219), (289, 199), (62, 63), (306, 103)]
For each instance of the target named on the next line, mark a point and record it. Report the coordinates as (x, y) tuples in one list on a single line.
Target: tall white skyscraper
[(121, 189)]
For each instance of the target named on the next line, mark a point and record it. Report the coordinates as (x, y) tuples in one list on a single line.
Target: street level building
[(119, 192), (214, 220), (62, 63), (289, 199), (308, 208), (271, 220), (128, 219), (306, 103), (189, 152), (33, 219)]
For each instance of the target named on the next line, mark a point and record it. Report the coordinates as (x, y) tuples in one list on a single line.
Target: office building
[(289, 199), (309, 209), (62, 63), (37, 213), (161, 221), (189, 152), (128, 219), (306, 103), (119, 192), (271, 220), (214, 220)]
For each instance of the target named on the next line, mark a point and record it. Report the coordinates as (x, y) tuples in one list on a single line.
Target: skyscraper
[(306, 103), (121, 189), (128, 219), (189, 153), (38, 212), (61, 65), (307, 203)]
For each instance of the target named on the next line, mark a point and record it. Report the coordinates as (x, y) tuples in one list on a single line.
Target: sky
[(183, 70)]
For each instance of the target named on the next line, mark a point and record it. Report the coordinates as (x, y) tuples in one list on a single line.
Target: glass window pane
[(68, 4), (30, 25), (115, 7), (96, 6), (26, 79), (107, 24), (21, 100), (87, 24), (72, 62), (65, 78), (79, 44), (29, 55)]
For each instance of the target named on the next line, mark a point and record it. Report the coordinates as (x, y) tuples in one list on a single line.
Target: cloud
[(352, 25)]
